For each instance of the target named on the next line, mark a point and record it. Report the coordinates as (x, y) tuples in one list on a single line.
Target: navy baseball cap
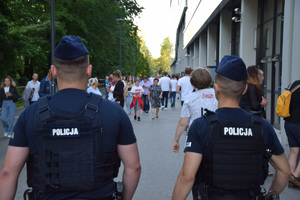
[(232, 67), (70, 47)]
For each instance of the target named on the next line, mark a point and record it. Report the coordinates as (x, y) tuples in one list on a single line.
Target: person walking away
[(154, 96), (174, 84), (292, 129), (118, 91), (253, 99), (8, 98), (137, 103), (146, 85), (45, 85), (34, 85), (165, 84), (185, 87), (74, 132), (231, 142), (93, 86), (128, 95), (111, 87), (196, 103)]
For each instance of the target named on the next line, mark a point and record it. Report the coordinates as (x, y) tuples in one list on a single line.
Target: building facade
[(261, 32)]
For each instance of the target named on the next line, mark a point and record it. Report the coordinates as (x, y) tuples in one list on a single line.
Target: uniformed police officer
[(229, 146), (71, 139)]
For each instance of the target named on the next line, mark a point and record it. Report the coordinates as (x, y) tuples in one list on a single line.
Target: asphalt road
[(160, 166)]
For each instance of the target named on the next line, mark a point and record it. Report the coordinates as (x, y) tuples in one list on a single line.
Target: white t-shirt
[(151, 80), (110, 94), (36, 86), (174, 84), (186, 87), (6, 89), (165, 83), (136, 89), (92, 90), (196, 102)]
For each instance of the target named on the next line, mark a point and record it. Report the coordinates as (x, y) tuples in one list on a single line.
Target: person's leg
[(292, 159), (157, 110), (146, 103), (166, 94), (174, 98), (182, 102), (4, 115), (152, 111), (162, 100), (11, 117)]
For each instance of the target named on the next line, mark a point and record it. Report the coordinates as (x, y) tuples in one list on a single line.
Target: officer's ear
[(217, 90), (53, 71), (88, 71), (245, 90)]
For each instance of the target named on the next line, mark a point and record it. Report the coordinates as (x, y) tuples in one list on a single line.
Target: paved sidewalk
[(160, 166)]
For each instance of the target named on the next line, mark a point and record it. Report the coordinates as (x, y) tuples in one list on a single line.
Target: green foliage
[(25, 34)]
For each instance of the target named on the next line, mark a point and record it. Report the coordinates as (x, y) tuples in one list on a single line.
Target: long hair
[(253, 71), (11, 82)]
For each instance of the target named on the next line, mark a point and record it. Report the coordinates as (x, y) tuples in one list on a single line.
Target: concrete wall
[(211, 45), (225, 33), (248, 26)]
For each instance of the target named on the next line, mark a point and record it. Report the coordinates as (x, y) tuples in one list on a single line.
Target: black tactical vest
[(68, 150), (237, 157)]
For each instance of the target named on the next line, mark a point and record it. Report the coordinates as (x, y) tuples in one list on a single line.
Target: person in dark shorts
[(292, 129)]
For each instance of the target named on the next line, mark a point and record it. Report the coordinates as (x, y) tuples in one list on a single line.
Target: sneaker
[(5, 134), (134, 117), (166, 108), (162, 108), (9, 136), (146, 111), (139, 119), (172, 104)]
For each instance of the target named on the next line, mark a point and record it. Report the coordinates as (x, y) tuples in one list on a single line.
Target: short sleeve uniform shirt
[(199, 133), (117, 129)]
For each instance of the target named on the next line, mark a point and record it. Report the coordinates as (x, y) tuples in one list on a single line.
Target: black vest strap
[(92, 107), (43, 108)]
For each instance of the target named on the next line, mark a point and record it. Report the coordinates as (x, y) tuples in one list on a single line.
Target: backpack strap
[(211, 116), (294, 88), (92, 107), (43, 108)]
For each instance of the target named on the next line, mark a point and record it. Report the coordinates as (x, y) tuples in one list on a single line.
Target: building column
[(225, 33), (211, 45), (249, 10), (196, 54), (203, 50)]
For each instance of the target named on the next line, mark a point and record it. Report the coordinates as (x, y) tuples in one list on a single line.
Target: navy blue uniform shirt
[(117, 129), (199, 133)]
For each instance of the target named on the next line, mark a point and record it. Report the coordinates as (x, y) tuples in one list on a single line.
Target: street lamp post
[(52, 44), (120, 57), (135, 58)]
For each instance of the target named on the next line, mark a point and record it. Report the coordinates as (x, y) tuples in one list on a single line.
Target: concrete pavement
[(160, 166)]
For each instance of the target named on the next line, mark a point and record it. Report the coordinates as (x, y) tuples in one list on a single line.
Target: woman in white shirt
[(195, 103), (137, 91), (93, 86)]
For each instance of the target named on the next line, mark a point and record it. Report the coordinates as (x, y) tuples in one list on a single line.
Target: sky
[(154, 23)]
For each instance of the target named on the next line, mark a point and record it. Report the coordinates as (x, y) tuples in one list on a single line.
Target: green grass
[(20, 103)]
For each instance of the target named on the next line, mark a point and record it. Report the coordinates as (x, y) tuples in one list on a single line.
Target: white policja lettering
[(64, 131), (238, 131)]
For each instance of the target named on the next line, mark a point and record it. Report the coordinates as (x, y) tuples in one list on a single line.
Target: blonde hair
[(11, 82), (92, 81)]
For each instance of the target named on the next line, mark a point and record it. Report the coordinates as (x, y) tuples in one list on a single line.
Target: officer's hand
[(175, 147)]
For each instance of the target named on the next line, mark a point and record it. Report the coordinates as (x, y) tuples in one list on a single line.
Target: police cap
[(232, 67), (70, 47)]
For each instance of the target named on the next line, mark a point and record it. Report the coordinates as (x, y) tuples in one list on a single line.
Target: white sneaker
[(5, 134), (166, 108), (9, 136), (162, 108)]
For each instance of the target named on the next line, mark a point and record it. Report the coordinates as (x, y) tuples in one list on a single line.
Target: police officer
[(71, 138), (230, 146)]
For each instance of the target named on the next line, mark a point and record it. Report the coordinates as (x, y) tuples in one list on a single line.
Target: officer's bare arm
[(186, 176), (183, 122), (132, 169), (280, 163), (12, 166), (178, 89)]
